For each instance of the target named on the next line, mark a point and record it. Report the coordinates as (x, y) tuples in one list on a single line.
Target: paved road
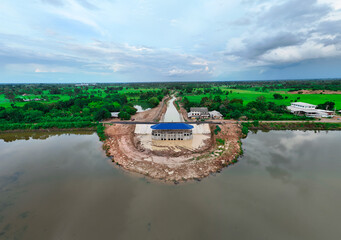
[(139, 122)]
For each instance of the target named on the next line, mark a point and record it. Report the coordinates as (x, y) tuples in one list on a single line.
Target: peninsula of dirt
[(173, 162)]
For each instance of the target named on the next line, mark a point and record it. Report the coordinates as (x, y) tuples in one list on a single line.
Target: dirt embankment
[(183, 111), (315, 92), (153, 114), (189, 165)]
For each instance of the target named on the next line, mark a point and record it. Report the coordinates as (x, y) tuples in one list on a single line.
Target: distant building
[(309, 110), (172, 131), (198, 113), (114, 114), (303, 105), (215, 115)]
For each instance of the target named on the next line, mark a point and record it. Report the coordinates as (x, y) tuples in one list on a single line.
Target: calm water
[(287, 186), (172, 114)]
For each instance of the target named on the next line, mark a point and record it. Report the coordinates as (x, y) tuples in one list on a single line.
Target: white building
[(215, 114), (172, 131), (303, 105), (114, 114), (198, 113), (308, 110)]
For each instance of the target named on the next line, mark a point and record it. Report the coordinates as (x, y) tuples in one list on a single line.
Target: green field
[(251, 95)]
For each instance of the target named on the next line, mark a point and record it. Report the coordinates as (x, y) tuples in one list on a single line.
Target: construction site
[(156, 149)]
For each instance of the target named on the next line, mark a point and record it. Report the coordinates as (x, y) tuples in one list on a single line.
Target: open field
[(251, 95)]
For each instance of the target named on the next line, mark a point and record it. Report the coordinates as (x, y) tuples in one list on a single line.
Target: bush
[(255, 123), (124, 115), (217, 129), (220, 141), (278, 96), (100, 132), (154, 101), (245, 130)]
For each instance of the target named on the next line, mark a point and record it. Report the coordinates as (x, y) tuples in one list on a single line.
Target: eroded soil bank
[(212, 157)]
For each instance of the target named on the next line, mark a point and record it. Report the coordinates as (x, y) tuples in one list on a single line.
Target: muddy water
[(172, 114), (287, 186)]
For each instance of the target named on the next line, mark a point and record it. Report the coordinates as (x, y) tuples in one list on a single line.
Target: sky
[(61, 41)]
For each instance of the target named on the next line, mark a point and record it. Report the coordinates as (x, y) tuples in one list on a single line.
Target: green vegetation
[(217, 130), (220, 141), (292, 126), (100, 132), (245, 129), (33, 106), (260, 100)]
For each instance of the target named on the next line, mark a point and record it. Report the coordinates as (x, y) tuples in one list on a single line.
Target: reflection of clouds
[(293, 157), (298, 138)]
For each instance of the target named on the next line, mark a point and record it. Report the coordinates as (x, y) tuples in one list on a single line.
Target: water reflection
[(64, 187), (13, 136)]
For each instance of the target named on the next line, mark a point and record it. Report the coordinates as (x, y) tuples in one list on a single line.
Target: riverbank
[(92, 129), (291, 126)]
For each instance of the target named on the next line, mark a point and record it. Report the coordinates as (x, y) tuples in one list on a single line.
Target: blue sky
[(168, 40)]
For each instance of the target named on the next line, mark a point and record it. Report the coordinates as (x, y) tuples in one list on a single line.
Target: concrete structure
[(198, 129), (215, 115), (198, 113), (172, 131), (309, 110)]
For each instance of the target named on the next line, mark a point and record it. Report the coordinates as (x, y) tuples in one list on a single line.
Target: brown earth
[(315, 92), (153, 114), (183, 111), (121, 146)]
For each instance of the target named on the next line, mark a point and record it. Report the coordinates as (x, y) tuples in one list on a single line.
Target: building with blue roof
[(172, 131)]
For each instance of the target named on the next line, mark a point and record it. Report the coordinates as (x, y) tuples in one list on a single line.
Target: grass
[(251, 95)]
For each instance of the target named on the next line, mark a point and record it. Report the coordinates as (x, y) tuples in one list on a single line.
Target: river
[(62, 186), (172, 114)]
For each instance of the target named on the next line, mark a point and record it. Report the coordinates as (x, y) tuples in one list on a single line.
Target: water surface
[(172, 114), (287, 186)]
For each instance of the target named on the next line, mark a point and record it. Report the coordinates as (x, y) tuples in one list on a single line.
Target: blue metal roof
[(171, 126)]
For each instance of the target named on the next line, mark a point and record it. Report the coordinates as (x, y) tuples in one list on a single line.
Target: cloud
[(287, 32), (237, 39), (294, 13), (54, 2), (252, 47)]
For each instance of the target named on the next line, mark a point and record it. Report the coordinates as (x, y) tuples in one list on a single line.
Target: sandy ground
[(316, 92), (152, 114), (193, 163)]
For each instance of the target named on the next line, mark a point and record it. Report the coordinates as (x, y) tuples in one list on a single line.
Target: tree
[(124, 115), (33, 115), (101, 114), (217, 99), (278, 96), (154, 101), (235, 114), (327, 105)]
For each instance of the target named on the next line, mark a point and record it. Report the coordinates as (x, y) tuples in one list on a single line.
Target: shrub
[(278, 96), (220, 141), (100, 132), (217, 130), (245, 130)]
